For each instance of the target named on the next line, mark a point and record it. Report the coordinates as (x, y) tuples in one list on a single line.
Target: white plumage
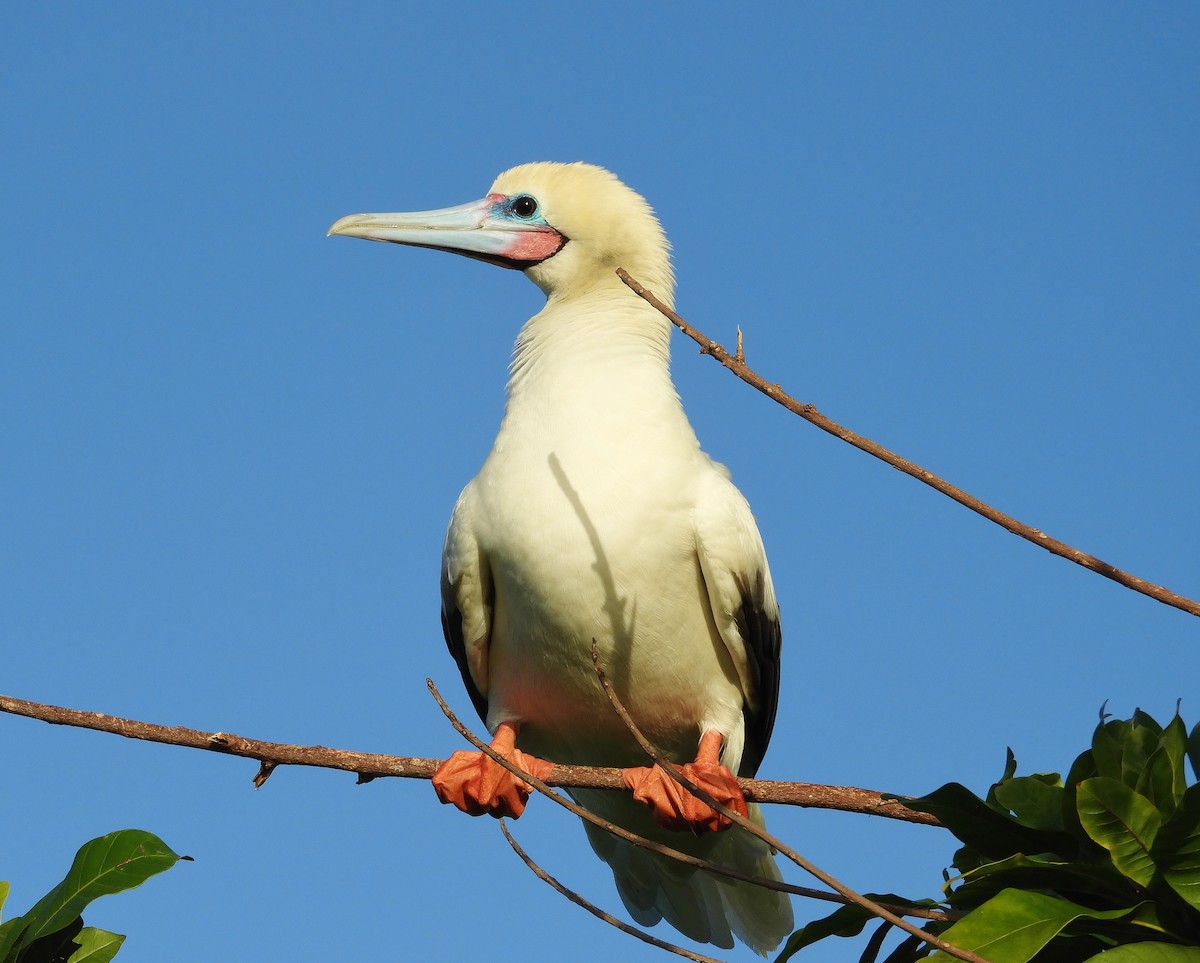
[(596, 515)]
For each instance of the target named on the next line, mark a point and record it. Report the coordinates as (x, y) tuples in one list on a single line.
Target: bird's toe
[(675, 808), (476, 784)]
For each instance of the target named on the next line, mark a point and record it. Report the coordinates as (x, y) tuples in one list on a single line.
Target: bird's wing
[(734, 565), (467, 602)]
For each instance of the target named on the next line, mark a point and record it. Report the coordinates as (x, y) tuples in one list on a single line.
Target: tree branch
[(738, 366), (369, 765), (595, 910), (848, 894), (685, 858)]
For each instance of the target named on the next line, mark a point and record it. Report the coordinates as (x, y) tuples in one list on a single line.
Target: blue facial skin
[(509, 207)]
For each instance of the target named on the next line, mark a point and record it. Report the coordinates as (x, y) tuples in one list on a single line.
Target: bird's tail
[(704, 906)]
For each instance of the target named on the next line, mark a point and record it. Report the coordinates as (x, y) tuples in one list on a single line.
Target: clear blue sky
[(230, 444)]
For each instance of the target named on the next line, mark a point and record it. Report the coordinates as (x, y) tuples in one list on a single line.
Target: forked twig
[(738, 366), (845, 891), (596, 910)]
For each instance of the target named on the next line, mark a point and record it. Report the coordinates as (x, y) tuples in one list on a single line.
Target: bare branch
[(737, 365), (650, 845), (595, 910), (370, 765), (751, 827)]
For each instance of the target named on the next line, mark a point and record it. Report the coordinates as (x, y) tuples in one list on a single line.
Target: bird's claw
[(478, 785), (677, 809)]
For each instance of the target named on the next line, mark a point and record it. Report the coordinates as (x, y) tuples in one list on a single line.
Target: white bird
[(597, 516)]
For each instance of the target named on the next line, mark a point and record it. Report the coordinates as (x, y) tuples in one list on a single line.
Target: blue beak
[(483, 229)]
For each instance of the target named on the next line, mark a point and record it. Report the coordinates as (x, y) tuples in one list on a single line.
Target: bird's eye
[(524, 206)]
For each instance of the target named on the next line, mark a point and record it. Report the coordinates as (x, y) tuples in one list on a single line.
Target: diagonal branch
[(609, 827), (369, 765), (907, 909), (596, 910), (738, 366), (851, 896)]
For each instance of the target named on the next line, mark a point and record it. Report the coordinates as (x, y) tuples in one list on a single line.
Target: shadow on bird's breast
[(620, 622)]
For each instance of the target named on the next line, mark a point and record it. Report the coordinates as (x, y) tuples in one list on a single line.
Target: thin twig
[(737, 365), (370, 765), (596, 910), (845, 891), (588, 816)]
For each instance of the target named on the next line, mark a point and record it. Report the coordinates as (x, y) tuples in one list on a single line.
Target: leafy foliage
[(53, 931), (1106, 863)]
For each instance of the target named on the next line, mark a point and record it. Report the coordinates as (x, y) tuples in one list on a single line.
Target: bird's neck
[(583, 338), (600, 356)]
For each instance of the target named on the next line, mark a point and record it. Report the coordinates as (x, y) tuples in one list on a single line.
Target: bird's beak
[(482, 229)]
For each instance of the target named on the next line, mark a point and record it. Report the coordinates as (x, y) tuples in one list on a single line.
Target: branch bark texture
[(369, 765)]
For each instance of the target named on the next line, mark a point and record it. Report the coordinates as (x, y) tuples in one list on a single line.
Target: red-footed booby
[(597, 516)]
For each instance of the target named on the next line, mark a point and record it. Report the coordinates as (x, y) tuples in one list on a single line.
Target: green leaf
[(1010, 770), (1164, 780), (4, 887), (1177, 849), (990, 833), (1144, 720), (1015, 925), (53, 947), (109, 864), (846, 921), (1150, 953), (1146, 915), (96, 946), (870, 952), (9, 931), (1106, 747), (1183, 874), (909, 950), (1086, 882), (1084, 767), (1120, 749), (1193, 750), (1034, 801), (1121, 821)]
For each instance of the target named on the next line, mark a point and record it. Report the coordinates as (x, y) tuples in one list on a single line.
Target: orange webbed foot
[(476, 784), (677, 809)]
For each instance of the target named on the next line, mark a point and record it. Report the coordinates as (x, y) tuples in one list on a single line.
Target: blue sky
[(970, 232)]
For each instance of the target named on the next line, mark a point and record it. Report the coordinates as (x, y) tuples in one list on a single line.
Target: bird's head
[(567, 226)]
